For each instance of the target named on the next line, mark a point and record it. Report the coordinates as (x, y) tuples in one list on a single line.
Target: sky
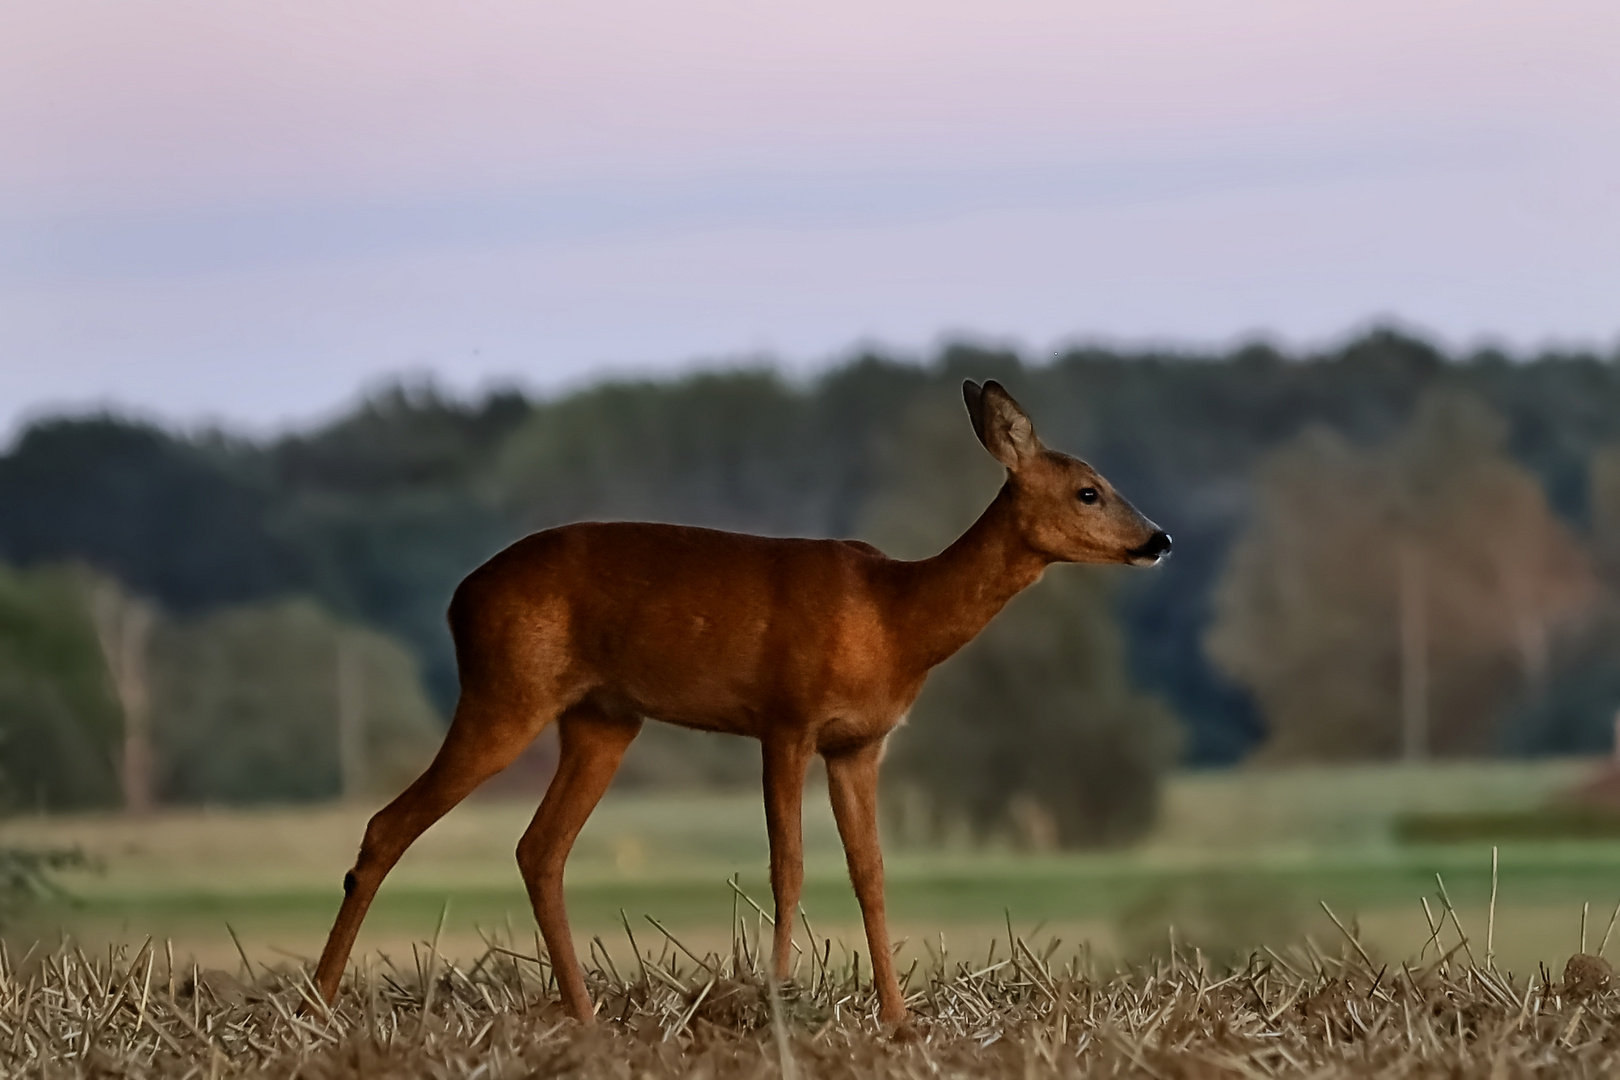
[(249, 213)]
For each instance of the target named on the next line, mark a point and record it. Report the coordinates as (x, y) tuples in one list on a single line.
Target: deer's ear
[(1001, 424), (973, 394)]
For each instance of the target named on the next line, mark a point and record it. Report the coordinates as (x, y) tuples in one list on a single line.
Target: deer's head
[(1065, 510)]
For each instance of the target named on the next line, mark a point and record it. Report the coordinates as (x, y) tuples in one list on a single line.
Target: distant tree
[(252, 704), (1033, 728), (1576, 709), (1421, 579), (1603, 500), (389, 506), (403, 436), (248, 704), (184, 521), (730, 450), (60, 725), (124, 625)]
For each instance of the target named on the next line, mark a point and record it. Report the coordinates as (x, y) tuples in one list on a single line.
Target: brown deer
[(809, 646)]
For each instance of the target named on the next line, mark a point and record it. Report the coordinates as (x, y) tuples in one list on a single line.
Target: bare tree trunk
[(124, 628), (1414, 653), (351, 703)]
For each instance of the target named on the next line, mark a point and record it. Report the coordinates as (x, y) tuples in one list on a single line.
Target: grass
[(1301, 1010), (1351, 805), (273, 875)]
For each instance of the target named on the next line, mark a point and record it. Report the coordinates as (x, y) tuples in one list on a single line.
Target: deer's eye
[(1088, 495)]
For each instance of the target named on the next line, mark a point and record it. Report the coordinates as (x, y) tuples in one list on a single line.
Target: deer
[(811, 646)]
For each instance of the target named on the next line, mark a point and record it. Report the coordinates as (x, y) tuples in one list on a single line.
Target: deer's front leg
[(852, 781), (786, 760)]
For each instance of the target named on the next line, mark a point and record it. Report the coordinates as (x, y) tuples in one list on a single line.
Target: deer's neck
[(946, 600)]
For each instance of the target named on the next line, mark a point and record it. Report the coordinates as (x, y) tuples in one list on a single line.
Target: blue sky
[(242, 212)]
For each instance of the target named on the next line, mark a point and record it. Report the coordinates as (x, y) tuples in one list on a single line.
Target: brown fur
[(810, 646)]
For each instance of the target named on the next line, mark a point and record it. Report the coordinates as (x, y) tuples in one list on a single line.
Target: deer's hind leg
[(489, 730), (592, 742)]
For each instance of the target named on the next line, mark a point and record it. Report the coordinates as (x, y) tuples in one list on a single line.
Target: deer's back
[(697, 627)]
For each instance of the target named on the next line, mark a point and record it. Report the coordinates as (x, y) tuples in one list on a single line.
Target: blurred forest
[(1381, 551)]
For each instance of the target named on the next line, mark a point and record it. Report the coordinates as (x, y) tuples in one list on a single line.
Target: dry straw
[(1302, 1012)]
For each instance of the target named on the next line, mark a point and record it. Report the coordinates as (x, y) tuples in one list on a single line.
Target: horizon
[(427, 382)]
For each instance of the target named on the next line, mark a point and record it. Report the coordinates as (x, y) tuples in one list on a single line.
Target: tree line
[(107, 700), (1371, 540)]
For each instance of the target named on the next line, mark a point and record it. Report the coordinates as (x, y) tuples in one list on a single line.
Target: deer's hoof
[(903, 1030)]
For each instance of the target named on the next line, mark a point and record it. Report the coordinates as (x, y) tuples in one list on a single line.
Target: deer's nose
[(1156, 548)]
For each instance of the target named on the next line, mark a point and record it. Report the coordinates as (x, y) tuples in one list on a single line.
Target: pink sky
[(248, 211)]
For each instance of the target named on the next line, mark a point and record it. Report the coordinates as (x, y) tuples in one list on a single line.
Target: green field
[(1240, 859)]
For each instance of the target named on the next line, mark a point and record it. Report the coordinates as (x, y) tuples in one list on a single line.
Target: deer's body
[(810, 646), (718, 631)]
